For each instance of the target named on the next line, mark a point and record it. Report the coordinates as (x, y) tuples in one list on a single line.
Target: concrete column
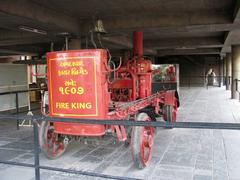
[(75, 44), (220, 73), (224, 70), (228, 70), (235, 69)]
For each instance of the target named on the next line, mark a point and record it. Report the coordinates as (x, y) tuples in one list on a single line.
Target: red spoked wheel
[(52, 144), (142, 140)]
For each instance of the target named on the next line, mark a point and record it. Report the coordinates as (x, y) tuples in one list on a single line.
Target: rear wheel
[(52, 144), (142, 140), (169, 113)]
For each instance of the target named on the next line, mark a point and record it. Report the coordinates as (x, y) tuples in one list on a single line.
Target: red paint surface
[(138, 43), (78, 89)]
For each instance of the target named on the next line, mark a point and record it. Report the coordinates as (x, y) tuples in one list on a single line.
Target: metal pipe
[(187, 124), (66, 42), (138, 43), (52, 47), (36, 150), (17, 109), (92, 40)]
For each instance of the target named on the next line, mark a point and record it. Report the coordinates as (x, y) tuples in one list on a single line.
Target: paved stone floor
[(179, 154)]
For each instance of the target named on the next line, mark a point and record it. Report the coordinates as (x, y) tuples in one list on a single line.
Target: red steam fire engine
[(78, 87)]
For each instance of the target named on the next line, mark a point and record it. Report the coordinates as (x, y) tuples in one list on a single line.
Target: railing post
[(17, 110), (36, 150), (207, 81), (236, 88), (189, 82), (219, 81)]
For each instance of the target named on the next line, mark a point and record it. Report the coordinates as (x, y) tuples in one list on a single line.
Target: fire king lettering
[(81, 105), (74, 105), (61, 105)]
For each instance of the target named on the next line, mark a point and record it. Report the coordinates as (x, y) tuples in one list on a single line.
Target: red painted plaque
[(78, 89)]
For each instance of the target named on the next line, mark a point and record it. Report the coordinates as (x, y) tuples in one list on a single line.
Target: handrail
[(37, 119), (21, 91), (191, 80), (17, 99)]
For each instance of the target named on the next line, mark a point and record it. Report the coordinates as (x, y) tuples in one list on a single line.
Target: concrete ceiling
[(171, 27)]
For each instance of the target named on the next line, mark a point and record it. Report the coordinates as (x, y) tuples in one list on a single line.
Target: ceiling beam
[(195, 29), (233, 36), (10, 34), (157, 20), (126, 43), (236, 12), (9, 38), (188, 51), (122, 41), (39, 14), (22, 50), (14, 52), (149, 21), (25, 41), (183, 43)]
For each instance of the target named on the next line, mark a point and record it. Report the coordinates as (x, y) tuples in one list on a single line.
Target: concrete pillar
[(75, 44), (224, 70), (228, 70), (220, 73), (235, 69)]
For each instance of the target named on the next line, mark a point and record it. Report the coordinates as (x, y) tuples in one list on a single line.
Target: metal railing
[(37, 119), (201, 81), (17, 92)]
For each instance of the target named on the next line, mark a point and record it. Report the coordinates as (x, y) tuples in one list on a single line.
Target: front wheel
[(51, 144), (142, 140)]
